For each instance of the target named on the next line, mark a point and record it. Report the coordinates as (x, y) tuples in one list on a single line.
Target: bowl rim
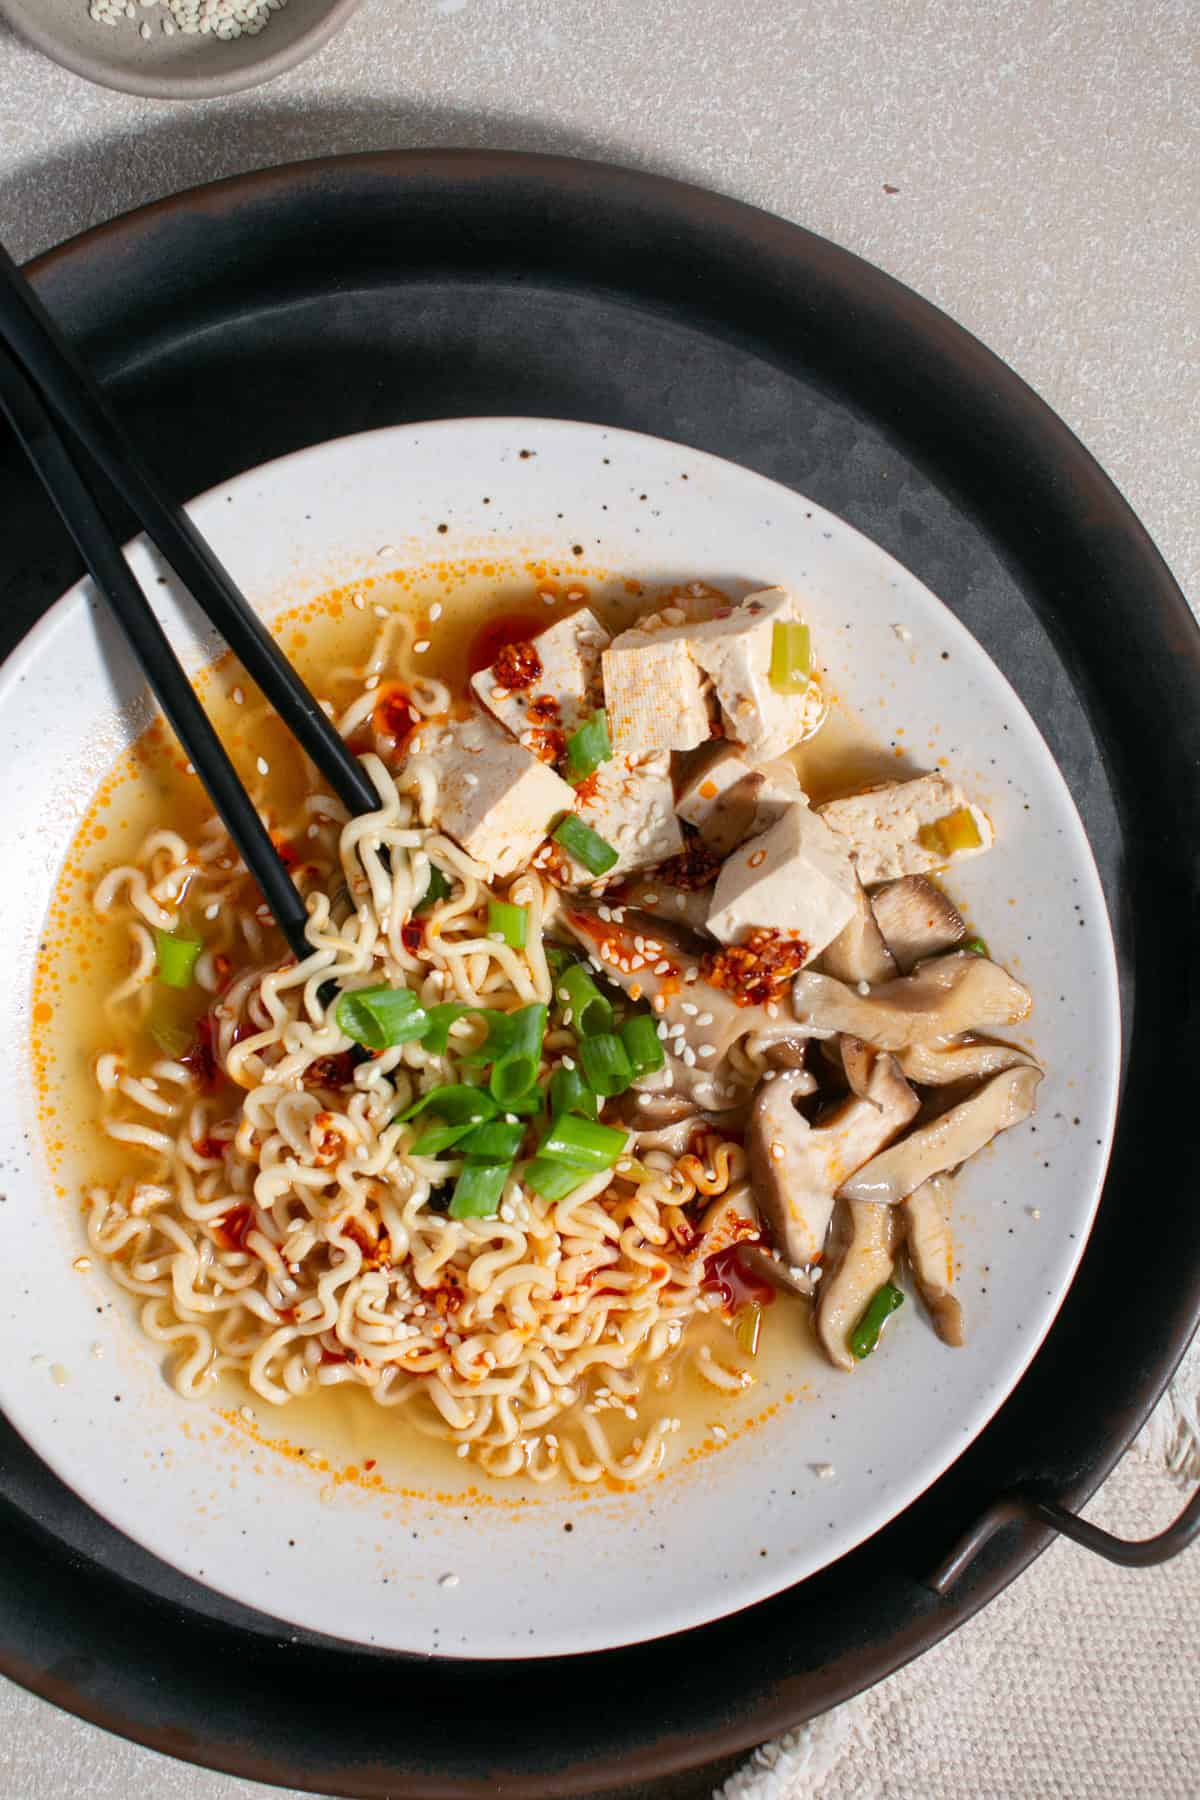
[(106, 72)]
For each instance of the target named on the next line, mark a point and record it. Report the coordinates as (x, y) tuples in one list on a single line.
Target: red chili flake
[(757, 971), (412, 934), (727, 1275), (200, 1058), (210, 1146), (331, 1071), (507, 628), (223, 970), (332, 1356), (230, 1230), (544, 709), (694, 867), (517, 666), (394, 716), (289, 857)]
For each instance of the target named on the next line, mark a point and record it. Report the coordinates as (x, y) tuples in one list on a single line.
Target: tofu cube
[(728, 800), (492, 796), (654, 693), (898, 828), (735, 651), (559, 676), (794, 878), (630, 801)]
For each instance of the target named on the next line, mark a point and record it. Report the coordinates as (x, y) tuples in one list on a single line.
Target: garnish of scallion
[(585, 845), (606, 1063), (570, 1093), (588, 747), (515, 1069), (454, 1102), (437, 888), (508, 922), (643, 1046), (582, 1144), (553, 1180), (590, 1010), (175, 958), (882, 1304), (478, 1189), (791, 657), (381, 1017)]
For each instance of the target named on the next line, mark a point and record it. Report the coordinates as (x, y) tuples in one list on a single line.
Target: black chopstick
[(82, 516), (70, 393)]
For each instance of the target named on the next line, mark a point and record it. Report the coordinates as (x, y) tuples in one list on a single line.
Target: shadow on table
[(79, 187)]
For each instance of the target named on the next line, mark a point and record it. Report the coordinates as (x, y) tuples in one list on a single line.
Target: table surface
[(1032, 168)]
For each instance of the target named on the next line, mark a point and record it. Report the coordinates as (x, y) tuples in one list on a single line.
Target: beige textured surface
[(1046, 156)]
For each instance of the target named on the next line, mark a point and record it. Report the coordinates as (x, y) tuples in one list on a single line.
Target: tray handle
[(1135, 1553)]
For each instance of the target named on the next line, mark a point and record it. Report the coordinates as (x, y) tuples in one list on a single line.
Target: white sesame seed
[(421, 647), (263, 766), (237, 696), (707, 1050), (371, 682), (435, 612), (449, 1581)]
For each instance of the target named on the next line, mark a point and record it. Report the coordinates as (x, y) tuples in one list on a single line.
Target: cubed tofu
[(493, 797), (562, 685), (630, 802), (728, 800), (735, 651), (794, 878), (908, 827), (654, 693)]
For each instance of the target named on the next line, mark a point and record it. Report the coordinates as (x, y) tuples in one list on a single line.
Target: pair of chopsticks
[(69, 433)]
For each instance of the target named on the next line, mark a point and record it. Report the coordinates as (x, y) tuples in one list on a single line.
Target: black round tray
[(247, 319)]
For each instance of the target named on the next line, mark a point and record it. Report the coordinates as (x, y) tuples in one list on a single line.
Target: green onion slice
[(495, 1141), (559, 958), (747, 1325), (606, 1063), (496, 1039), (176, 958), (171, 1039), (791, 657), (588, 747), (642, 1044), (510, 922), (552, 1180), (975, 947), (437, 1137), (456, 1103), (478, 1189), (570, 1093), (515, 1069), (585, 845), (582, 1144), (380, 1017), (882, 1304), (590, 1010), (437, 888)]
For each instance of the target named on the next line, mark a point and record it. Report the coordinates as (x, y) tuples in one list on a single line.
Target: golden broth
[(430, 619)]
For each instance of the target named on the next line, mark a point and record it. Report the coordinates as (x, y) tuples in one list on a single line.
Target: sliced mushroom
[(940, 1000), (727, 1221), (662, 972), (765, 1262), (797, 1168), (676, 906), (925, 1222), (652, 1111), (962, 1059), (863, 1255), (1005, 1100), (858, 952), (858, 1061), (916, 920)]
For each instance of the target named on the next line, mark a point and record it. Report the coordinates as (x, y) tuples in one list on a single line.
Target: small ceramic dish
[(146, 52)]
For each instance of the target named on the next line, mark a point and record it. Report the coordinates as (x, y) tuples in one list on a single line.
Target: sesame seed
[(450, 1581), (759, 857), (777, 1151), (420, 647), (707, 1050), (237, 696), (263, 766), (372, 681), (705, 1018), (649, 899)]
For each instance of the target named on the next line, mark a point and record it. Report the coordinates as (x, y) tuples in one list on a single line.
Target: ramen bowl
[(336, 1522)]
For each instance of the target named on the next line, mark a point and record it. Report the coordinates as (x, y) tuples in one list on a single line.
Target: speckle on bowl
[(147, 53)]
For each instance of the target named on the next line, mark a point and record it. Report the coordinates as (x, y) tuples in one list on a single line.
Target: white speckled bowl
[(823, 1473), (181, 66)]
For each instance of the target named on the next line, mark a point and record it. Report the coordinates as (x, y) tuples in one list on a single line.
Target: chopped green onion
[(436, 1138), (791, 657), (559, 958), (606, 1063), (590, 1010), (585, 845), (570, 1093), (478, 1189), (975, 947), (495, 1141), (496, 1039), (176, 957), (437, 888), (747, 1326), (515, 1070), (642, 1044), (552, 1180), (456, 1103), (441, 1017), (380, 1017), (588, 747), (171, 1039), (582, 1144), (882, 1304), (511, 922)]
